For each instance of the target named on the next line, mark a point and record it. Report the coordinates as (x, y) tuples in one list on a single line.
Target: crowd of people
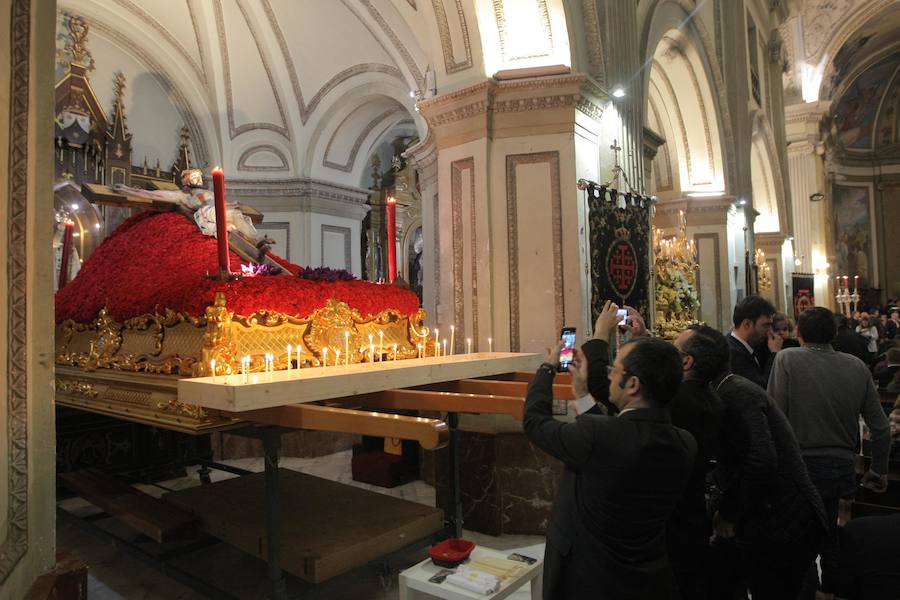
[(714, 465)]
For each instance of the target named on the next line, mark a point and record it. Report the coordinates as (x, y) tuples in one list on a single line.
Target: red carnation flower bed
[(159, 261)]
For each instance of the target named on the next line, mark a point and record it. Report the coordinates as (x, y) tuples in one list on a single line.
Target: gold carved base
[(159, 349)]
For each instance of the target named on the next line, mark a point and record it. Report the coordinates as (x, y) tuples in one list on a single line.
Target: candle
[(452, 340), (245, 362), (855, 283), (444, 351), (68, 231), (212, 369), (289, 357), (391, 209), (395, 351), (347, 346), (371, 337), (418, 350), (372, 349), (325, 356), (218, 176), (381, 343), (468, 345), (490, 344), (337, 357)]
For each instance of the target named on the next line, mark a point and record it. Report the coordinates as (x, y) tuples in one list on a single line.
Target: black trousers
[(769, 571)]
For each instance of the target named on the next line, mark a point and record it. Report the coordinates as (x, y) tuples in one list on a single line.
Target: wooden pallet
[(327, 528), (155, 518)]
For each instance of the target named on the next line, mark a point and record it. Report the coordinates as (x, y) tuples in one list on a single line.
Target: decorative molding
[(665, 159), (395, 40), (235, 130), (279, 226), (451, 65), (513, 161), (456, 169), (309, 195), (165, 34), (347, 233), (596, 56), (351, 158), (710, 155), (682, 129), (500, 19), (15, 545), (307, 109), (249, 152), (159, 72)]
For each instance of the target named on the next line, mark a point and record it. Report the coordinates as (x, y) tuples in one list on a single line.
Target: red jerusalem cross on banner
[(621, 267)]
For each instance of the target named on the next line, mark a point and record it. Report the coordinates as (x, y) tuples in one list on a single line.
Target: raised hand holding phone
[(566, 353)]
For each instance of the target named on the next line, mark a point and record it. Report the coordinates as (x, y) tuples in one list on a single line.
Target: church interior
[(400, 176)]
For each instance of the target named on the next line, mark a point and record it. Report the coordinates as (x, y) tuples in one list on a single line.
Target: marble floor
[(116, 574)]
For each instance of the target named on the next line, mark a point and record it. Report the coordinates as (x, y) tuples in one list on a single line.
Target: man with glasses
[(752, 320), (623, 476)]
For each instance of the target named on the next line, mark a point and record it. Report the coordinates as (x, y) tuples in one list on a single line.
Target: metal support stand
[(272, 445), (456, 513)]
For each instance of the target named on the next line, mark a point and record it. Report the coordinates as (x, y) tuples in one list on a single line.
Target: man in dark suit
[(752, 320), (769, 512), (848, 341), (623, 476)]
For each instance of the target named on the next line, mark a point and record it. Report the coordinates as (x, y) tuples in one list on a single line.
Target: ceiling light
[(704, 194), (741, 202), (618, 92), (74, 207), (412, 93)]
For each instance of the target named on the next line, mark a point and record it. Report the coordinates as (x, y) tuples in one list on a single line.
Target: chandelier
[(675, 266), (763, 271)]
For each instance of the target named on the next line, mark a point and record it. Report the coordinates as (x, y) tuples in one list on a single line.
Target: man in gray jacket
[(823, 393)]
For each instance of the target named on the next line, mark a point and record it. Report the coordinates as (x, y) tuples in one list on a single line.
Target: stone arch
[(765, 172), (681, 100), (673, 19)]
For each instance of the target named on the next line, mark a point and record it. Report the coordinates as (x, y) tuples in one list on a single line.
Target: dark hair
[(842, 322), (709, 360), (752, 307), (718, 362), (657, 364), (816, 325)]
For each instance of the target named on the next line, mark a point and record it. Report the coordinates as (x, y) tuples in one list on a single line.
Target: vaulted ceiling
[(301, 88)]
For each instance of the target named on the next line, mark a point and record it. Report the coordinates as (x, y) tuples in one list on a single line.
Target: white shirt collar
[(746, 345)]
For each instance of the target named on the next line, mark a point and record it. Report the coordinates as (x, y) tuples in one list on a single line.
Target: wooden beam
[(499, 388), (430, 433), (440, 401)]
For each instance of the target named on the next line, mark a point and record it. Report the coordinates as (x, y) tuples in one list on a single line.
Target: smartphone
[(622, 314), (567, 353)]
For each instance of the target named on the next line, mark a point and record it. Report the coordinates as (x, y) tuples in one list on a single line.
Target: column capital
[(512, 108), (423, 157), (802, 122)]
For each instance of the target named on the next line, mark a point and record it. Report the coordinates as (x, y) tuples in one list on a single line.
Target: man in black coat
[(769, 511), (698, 410), (752, 319), (850, 342), (623, 476)]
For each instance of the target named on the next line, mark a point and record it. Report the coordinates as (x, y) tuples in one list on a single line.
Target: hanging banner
[(803, 292), (620, 250)]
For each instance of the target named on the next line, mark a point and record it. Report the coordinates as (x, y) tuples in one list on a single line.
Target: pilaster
[(508, 155), (423, 157)]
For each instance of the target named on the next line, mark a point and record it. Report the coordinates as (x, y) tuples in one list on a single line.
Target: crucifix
[(617, 168)]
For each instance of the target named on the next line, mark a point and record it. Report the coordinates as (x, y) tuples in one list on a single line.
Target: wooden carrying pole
[(430, 433)]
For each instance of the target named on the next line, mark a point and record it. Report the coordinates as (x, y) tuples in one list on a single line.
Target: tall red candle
[(218, 176), (392, 238), (66, 257)]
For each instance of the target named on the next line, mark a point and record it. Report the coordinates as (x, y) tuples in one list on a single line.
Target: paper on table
[(475, 581)]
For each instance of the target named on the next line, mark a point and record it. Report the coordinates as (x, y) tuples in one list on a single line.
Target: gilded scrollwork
[(76, 387), (188, 410)]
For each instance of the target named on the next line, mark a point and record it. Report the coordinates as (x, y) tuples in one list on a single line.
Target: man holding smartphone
[(623, 474)]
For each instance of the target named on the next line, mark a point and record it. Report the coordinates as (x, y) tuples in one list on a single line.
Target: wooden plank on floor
[(328, 528), (155, 518)]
